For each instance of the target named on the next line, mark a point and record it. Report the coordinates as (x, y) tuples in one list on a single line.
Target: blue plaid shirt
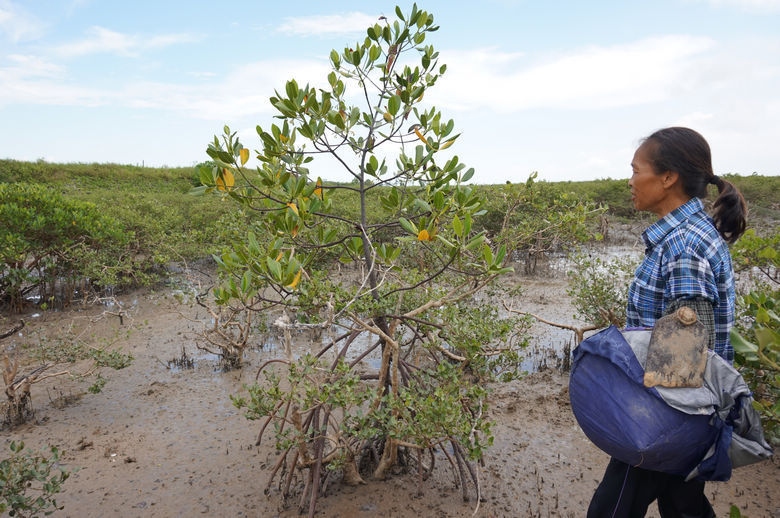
[(685, 258)]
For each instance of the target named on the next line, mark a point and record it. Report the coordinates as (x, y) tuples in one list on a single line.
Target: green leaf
[(766, 337), (476, 242), (768, 253), (355, 246), (388, 253), (421, 205), (446, 242), (438, 200), (500, 254), (372, 165), (274, 269), (467, 224), (246, 282), (206, 175), (741, 345), (457, 226), (374, 52), (394, 104), (408, 226), (292, 89), (252, 245), (487, 255)]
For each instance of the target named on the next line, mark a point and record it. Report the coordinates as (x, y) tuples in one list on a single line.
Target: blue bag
[(628, 421)]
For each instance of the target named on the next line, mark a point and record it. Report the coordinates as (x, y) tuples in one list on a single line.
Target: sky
[(566, 89)]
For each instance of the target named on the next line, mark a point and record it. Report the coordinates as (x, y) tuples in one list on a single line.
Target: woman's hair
[(685, 152)]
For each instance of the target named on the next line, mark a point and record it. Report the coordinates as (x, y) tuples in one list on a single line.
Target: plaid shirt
[(685, 258)]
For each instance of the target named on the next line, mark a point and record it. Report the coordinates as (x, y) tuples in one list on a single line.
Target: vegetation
[(598, 288), (155, 224), (29, 482), (54, 357), (416, 262), (392, 266), (52, 244), (80, 231), (756, 337), (534, 219), (157, 220)]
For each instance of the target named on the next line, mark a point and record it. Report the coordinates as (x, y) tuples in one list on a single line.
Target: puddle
[(542, 295)]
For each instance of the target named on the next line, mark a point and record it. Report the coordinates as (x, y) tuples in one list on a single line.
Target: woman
[(687, 263)]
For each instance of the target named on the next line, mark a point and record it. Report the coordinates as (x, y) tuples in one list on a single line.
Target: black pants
[(627, 492)]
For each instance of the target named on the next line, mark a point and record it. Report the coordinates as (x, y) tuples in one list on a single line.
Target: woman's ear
[(670, 178)]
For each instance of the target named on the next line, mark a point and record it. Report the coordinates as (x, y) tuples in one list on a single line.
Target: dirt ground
[(160, 442)]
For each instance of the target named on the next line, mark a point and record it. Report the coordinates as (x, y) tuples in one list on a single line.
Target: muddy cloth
[(697, 433)]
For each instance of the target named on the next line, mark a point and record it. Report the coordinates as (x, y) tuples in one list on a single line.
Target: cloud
[(102, 40), (31, 80), (349, 23), (595, 77), (75, 5), (17, 25), (25, 66), (241, 92), (481, 79), (748, 5)]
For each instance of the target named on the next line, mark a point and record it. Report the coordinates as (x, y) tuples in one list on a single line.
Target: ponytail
[(729, 210)]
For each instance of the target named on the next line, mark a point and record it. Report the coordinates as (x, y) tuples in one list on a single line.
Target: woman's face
[(647, 187)]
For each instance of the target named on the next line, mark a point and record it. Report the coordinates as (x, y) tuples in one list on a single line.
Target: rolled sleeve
[(690, 276)]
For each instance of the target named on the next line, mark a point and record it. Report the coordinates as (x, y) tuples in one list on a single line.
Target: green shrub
[(756, 335), (49, 244), (29, 481), (534, 219), (599, 288), (406, 222), (756, 341), (754, 254)]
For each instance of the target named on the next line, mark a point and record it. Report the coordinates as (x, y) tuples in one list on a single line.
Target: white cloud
[(349, 23), (748, 5), (26, 66), (591, 78), (242, 92), (27, 78), (102, 40), (75, 5), (16, 24), (22, 86)]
